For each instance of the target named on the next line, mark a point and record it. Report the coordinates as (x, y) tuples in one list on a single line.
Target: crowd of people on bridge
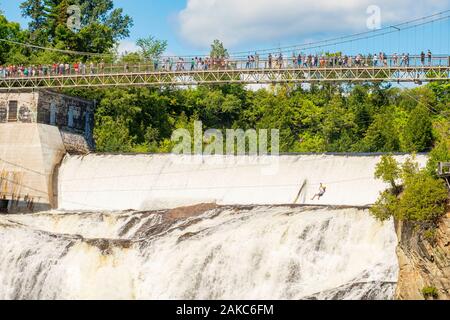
[(271, 61), (55, 69)]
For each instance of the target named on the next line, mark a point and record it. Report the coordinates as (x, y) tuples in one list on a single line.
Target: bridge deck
[(242, 76)]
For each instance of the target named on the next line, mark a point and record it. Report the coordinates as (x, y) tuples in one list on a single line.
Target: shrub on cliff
[(424, 198), (430, 293), (388, 170), (419, 197)]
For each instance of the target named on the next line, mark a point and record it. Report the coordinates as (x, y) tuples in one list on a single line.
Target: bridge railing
[(167, 65)]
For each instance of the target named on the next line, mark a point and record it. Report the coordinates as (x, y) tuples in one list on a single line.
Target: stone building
[(73, 116), (37, 128)]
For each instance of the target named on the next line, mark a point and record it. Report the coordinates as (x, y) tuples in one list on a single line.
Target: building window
[(53, 114), (3, 113), (70, 116), (12, 111)]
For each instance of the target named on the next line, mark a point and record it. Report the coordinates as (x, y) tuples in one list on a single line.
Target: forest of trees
[(363, 118)]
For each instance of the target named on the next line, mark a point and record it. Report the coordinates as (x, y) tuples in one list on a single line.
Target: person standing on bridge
[(422, 58), (294, 60), (280, 61), (270, 60), (91, 68), (394, 60), (430, 57), (375, 60)]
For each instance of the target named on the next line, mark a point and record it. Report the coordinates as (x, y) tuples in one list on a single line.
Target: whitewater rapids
[(200, 252)]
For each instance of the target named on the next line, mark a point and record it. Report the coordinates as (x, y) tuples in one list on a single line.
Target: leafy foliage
[(321, 119), (101, 27), (151, 48), (430, 293), (388, 170), (418, 132), (423, 199), (218, 50)]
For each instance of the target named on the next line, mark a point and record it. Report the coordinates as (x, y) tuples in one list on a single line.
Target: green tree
[(218, 50), (418, 133), (338, 126), (35, 10), (382, 135), (101, 26), (112, 135), (441, 151), (385, 207), (151, 48), (424, 198), (9, 52), (389, 171)]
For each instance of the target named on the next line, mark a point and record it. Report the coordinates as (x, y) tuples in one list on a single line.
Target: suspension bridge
[(315, 62)]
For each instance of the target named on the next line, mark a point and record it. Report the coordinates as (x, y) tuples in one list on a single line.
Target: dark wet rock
[(107, 246)]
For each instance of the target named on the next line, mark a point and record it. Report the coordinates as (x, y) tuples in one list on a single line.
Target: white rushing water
[(231, 252), (254, 237)]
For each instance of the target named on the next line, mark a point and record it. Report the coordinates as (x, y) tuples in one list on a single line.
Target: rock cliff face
[(424, 262), (76, 144)]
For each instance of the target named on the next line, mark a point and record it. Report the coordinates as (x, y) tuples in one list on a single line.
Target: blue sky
[(190, 25)]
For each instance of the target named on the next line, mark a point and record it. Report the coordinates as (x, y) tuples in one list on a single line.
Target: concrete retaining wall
[(149, 182), (29, 154)]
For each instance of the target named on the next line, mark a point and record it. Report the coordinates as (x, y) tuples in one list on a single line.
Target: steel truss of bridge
[(239, 76)]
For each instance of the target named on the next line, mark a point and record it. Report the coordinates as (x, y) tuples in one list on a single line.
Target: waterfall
[(202, 252), (165, 227)]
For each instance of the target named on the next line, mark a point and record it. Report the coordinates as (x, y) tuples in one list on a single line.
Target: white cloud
[(237, 22)]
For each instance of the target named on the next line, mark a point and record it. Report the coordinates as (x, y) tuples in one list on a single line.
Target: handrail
[(305, 62)]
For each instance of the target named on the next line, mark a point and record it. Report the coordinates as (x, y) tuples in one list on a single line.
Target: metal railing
[(222, 64), (239, 72)]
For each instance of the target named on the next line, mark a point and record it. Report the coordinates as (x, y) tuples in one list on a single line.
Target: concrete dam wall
[(152, 182), (29, 154)]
